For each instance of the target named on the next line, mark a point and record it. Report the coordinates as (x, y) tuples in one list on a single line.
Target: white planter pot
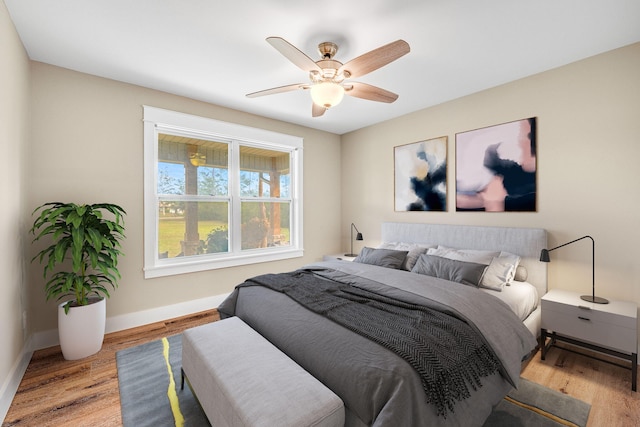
[(81, 331)]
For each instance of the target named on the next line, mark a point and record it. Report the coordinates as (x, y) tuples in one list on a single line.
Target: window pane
[(170, 178), (192, 228), (265, 224), (192, 166), (264, 173), (285, 186), (213, 181)]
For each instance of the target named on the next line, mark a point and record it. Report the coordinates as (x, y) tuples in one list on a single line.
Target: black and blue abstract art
[(421, 175)]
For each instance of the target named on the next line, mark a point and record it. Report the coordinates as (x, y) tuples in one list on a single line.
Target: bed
[(389, 383)]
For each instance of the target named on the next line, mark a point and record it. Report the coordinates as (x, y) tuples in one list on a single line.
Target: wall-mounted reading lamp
[(358, 237), (544, 257)]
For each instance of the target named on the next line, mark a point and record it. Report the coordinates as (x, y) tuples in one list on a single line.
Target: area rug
[(149, 381), (150, 394), (537, 406)]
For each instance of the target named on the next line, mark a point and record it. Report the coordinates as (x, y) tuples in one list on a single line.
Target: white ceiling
[(215, 50)]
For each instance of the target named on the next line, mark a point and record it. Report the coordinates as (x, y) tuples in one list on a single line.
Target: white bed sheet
[(521, 297)]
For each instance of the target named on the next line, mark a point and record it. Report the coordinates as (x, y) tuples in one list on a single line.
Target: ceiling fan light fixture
[(327, 94), (197, 159)]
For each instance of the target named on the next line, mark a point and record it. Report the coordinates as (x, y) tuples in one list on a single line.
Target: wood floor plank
[(603, 385), (57, 392)]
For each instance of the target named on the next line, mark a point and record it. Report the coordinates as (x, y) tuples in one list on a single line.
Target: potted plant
[(82, 263)]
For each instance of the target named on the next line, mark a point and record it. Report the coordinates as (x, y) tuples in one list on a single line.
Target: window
[(218, 194)]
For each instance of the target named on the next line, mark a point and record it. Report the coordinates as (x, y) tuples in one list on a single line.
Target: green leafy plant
[(217, 241), (83, 240)]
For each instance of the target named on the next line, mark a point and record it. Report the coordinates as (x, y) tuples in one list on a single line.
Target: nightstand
[(338, 257), (606, 328)]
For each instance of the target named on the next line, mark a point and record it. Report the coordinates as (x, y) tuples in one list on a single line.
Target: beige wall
[(14, 95), (88, 147), (588, 166)]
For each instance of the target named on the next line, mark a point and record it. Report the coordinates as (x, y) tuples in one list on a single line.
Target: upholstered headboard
[(526, 242)]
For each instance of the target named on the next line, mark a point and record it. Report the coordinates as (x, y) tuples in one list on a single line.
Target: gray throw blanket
[(447, 353)]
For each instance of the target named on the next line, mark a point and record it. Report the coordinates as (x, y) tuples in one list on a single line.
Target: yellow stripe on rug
[(171, 391), (542, 412)]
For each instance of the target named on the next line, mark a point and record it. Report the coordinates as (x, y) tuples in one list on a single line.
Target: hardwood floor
[(605, 386), (56, 392)]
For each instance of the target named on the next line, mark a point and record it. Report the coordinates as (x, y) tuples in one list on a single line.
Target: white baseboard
[(11, 384), (49, 338), (140, 318)]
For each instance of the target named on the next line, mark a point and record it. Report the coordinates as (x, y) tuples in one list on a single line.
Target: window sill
[(170, 267)]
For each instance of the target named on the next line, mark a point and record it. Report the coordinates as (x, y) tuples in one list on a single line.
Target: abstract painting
[(421, 175), (496, 168)]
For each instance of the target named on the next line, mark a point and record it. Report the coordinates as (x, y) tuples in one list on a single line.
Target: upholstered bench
[(241, 379)]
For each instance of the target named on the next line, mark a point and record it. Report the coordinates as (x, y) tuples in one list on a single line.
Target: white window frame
[(157, 120)]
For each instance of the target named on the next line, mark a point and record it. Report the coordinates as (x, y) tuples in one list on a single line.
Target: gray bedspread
[(378, 387)]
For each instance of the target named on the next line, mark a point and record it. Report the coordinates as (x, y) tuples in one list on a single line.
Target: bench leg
[(634, 371), (181, 379)]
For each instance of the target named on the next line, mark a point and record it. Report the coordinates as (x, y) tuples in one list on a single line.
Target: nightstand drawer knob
[(584, 307), (584, 318)]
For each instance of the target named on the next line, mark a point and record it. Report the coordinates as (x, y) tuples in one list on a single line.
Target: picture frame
[(420, 172), (496, 168)]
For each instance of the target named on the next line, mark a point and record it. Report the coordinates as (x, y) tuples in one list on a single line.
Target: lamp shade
[(327, 94), (544, 255)]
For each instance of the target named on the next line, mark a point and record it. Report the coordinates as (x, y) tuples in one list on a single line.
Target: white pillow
[(521, 274), (497, 274), (500, 272), (466, 255), (515, 261)]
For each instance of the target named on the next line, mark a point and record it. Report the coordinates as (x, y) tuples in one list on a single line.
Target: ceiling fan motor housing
[(327, 50)]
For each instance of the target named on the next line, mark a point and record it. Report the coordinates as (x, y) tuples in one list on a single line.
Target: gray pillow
[(467, 273), (382, 257), (415, 250)]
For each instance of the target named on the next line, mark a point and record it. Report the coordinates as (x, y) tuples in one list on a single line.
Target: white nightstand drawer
[(587, 325), (601, 314)]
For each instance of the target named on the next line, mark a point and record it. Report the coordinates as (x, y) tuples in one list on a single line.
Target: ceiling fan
[(328, 76)]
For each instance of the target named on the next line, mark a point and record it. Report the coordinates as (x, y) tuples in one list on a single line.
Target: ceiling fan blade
[(279, 89), (369, 92), (316, 110), (376, 58), (293, 54)]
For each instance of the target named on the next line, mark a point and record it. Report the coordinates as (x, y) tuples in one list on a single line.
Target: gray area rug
[(537, 406), (150, 395), (149, 382)]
